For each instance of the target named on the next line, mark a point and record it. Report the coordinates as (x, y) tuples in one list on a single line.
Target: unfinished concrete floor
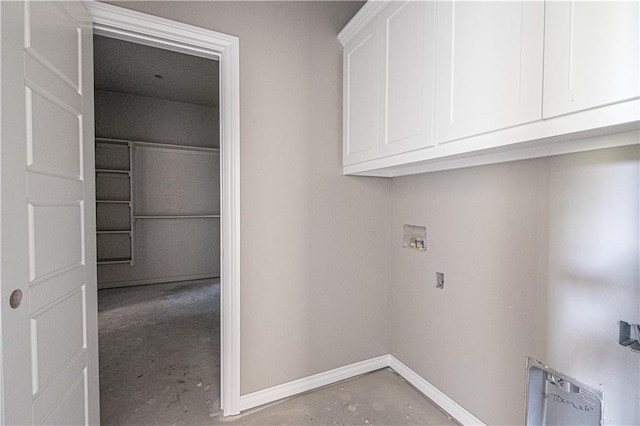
[(160, 353), (159, 364), (378, 398)]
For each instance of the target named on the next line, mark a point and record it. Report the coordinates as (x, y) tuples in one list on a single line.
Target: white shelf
[(116, 166), (114, 232), (158, 145), (115, 171), (112, 141), (113, 201), (169, 216), (114, 261)]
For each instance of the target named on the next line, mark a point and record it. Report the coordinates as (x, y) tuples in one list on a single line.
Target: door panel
[(585, 41), (57, 287), (53, 350), (68, 412), (489, 66), (51, 398), (52, 227), (50, 341), (53, 38), (408, 50), (54, 136)]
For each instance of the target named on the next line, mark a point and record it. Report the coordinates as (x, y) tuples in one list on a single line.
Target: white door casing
[(128, 25), (47, 221)]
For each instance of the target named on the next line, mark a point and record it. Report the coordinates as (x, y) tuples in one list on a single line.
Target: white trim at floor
[(305, 384), (316, 381), (438, 397), (165, 280)]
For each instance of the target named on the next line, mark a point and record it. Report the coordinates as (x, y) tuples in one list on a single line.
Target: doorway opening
[(118, 23), (158, 233)]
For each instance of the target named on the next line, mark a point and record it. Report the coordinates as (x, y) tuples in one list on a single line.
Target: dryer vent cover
[(555, 399)]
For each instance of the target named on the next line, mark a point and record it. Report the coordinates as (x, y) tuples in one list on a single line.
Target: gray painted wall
[(123, 116), (166, 249), (314, 243), (540, 258)]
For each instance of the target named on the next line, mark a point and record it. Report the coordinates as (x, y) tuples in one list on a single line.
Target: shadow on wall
[(593, 273), (540, 259)]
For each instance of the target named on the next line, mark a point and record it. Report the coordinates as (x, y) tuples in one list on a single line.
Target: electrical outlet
[(440, 280)]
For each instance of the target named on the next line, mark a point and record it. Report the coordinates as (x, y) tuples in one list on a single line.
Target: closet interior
[(158, 233), (157, 165)]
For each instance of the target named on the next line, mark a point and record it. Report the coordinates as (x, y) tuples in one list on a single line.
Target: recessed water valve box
[(414, 237)]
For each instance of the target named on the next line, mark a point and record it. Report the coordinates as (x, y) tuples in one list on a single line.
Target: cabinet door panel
[(361, 65), (591, 55), (489, 66), (408, 49)]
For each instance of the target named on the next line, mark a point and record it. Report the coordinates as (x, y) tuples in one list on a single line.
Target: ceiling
[(122, 66)]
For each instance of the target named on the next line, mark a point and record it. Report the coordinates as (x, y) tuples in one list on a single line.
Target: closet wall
[(175, 195)]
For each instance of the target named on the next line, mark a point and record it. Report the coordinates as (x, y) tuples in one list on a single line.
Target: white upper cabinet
[(361, 97), (407, 76), (591, 55), (389, 82), (437, 85), (489, 66)]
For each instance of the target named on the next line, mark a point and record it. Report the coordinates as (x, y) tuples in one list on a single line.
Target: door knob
[(15, 299)]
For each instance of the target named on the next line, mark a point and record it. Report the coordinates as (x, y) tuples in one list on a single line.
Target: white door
[(592, 55), (408, 51), (361, 98), (47, 221), (489, 66)]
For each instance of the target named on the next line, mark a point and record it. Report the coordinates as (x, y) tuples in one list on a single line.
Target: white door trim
[(151, 30)]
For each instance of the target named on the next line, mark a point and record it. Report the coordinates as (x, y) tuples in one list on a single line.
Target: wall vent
[(555, 399)]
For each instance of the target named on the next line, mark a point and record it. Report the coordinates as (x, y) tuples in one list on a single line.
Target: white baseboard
[(434, 394), (163, 280), (285, 390), (305, 384)]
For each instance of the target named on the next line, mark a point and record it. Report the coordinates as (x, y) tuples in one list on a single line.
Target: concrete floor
[(159, 353), (378, 398), (160, 364)]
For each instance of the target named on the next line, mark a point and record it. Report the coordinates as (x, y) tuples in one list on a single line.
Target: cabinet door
[(591, 55), (489, 66), (361, 98), (408, 65)]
